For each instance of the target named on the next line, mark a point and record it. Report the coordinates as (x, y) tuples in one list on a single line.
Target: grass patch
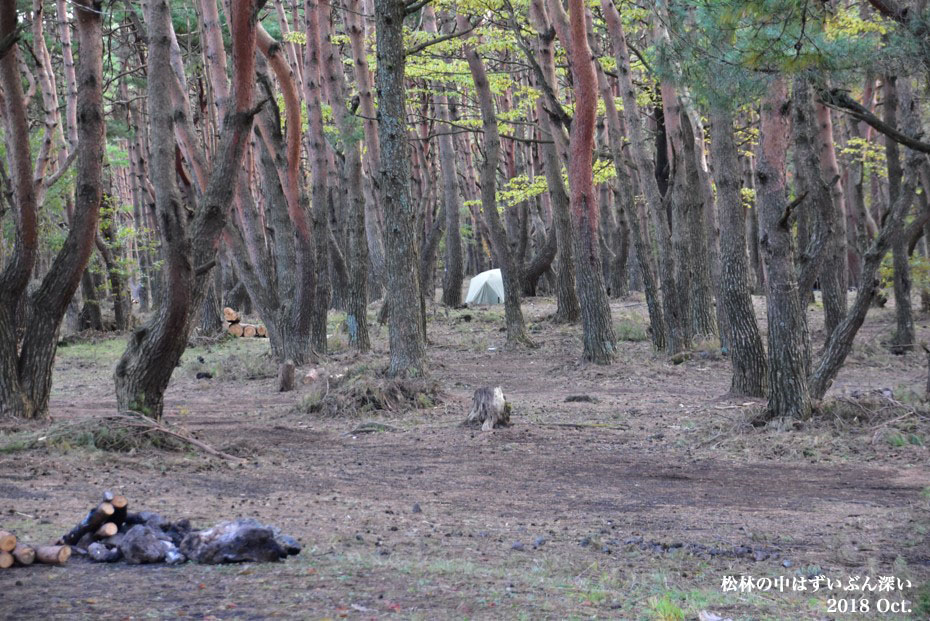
[(632, 328), (116, 434)]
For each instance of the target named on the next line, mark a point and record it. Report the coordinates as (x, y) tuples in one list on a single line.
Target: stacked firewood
[(13, 553), (110, 533), (235, 326)]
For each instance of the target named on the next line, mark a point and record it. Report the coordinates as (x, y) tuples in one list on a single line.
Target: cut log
[(102, 513), (261, 331), (286, 376), (6, 560), (120, 507), (53, 555), (24, 555), (249, 331), (235, 329), (7, 541), (107, 530), (231, 316)]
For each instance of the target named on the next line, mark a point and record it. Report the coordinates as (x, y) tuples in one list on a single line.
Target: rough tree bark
[(835, 267), (747, 355), (313, 89), (14, 401), (904, 336), (788, 340), (407, 343)]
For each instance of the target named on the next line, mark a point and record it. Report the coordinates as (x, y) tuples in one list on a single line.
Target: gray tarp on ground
[(486, 288)]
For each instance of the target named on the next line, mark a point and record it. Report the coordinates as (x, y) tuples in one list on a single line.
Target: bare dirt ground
[(635, 504)]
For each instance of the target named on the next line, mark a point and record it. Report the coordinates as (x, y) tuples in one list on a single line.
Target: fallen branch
[(139, 420)]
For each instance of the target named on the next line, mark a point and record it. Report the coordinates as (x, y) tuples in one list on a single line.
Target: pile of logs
[(13, 553), (235, 326), (109, 533)]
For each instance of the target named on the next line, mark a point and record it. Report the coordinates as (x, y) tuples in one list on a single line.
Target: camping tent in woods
[(486, 288)]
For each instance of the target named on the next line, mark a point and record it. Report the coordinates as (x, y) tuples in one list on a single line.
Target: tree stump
[(286, 375), (489, 409)]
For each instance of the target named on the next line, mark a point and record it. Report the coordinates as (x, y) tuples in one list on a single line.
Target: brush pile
[(110, 533)]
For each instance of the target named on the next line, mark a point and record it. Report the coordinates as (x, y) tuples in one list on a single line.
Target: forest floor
[(636, 504)]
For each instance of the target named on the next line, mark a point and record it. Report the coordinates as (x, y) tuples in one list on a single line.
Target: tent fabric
[(486, 288)]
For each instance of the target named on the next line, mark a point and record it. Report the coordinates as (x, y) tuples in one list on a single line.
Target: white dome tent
[(486, 288)]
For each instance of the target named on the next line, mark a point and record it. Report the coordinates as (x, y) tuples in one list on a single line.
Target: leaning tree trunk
[(408, 347), (568, 309), (513, 315), (789, 395), (747, 356), (154, 350), (14, 401), (600, 342), (841, 340), (49, 303)]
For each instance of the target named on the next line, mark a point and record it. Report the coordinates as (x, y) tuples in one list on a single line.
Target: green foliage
[(871, 154), (919, 268)]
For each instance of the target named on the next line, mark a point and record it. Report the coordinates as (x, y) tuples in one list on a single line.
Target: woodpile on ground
[(16, 554), (110, 533), (235, 327)]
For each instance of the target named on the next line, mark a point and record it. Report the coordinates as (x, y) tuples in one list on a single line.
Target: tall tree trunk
[(451, 197), (408, 347), (513, 314), (14, 400), (357, 246), (788, 339), (49, 303), (568, 309), (747, 356), (673, 313), (835, 267), (313, 74), (145, 368), (600, 342), (904, 336)]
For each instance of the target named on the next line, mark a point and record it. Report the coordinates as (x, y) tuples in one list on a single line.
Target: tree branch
[(839, 100)]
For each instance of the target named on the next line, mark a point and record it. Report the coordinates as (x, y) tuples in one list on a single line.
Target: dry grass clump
[(359, 391)]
